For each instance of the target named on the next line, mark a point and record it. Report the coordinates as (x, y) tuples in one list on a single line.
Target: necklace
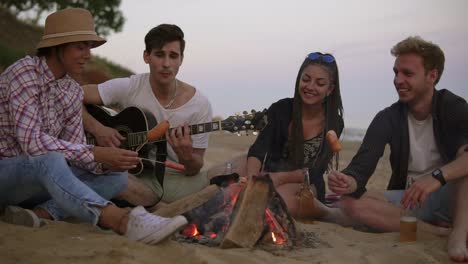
[(173, 96)]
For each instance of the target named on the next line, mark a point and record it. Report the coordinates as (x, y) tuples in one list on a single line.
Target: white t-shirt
[(136, 91), (424, 156)]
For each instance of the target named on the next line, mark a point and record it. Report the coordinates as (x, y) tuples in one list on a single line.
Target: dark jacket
[(272, 140), (390, 126)]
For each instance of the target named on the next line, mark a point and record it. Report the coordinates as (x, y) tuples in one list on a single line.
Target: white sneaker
[(20, 216), (149, 228)]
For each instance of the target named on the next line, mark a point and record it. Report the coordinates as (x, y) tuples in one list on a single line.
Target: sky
[(245, 54)]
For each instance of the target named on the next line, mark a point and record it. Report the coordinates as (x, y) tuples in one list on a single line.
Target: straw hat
[(69, 25)]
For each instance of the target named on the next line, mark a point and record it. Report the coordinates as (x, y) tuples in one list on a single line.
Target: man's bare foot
[(456, 246)]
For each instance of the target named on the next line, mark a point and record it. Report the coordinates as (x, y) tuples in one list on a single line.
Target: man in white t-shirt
[(427, 130), (167, 98)]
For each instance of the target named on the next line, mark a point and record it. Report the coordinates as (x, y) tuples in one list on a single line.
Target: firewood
[(248, 224), (188, 203)]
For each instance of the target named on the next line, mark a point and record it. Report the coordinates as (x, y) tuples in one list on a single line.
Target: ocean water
[(353, 134)]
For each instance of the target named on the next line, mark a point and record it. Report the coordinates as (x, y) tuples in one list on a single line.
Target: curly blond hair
[(432, 55)]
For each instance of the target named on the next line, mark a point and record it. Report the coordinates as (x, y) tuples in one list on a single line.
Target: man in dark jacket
[(427, 131)]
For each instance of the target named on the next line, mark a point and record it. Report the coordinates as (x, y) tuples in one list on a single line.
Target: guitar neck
[(203, 128), (138, 138), (139, 122)]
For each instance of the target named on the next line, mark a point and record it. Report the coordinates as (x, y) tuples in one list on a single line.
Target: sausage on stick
[(335, 145), (158, 131)]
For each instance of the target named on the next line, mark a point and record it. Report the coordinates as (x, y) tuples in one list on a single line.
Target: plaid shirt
[(39, 114)]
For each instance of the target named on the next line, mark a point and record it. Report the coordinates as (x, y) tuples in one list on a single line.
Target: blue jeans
[(437, 207), (72, 191)]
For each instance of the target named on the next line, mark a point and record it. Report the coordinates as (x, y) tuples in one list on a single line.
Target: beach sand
[(62, 242)]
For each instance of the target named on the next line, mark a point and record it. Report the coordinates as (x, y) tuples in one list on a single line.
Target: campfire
[(241, 214)]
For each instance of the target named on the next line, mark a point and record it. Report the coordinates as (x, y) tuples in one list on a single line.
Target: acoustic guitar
[(134, 123)]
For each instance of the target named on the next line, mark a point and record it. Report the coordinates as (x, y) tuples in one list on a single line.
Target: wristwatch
[(438, 175)]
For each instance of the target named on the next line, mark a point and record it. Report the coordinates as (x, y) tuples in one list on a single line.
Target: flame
[(277, 239), (211, 235), (277, 235), (232, 193), (190, 231)]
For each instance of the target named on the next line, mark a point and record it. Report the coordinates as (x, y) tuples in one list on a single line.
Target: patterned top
[(39, 114), (311, 150)]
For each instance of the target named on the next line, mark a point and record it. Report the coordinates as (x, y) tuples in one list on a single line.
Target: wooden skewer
[(337, 161), (168, 163), (157, 161), (139, 147), (263, 165)]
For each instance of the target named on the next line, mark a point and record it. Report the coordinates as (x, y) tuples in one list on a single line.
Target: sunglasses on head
[(323, 57)]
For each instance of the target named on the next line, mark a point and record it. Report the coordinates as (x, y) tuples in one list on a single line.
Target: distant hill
[(18, 39)]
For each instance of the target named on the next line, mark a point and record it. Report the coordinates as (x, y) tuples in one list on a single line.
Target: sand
[(63, 242)]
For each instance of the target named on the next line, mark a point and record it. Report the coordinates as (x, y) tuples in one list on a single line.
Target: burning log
[(248, 226), (237, 215)]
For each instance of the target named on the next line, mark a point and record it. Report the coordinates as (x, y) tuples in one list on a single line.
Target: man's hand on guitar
[(108, 137), (181, 142), (116, 159)]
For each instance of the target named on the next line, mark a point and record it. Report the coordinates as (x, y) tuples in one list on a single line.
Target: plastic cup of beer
[(408, 228), (408, 220)]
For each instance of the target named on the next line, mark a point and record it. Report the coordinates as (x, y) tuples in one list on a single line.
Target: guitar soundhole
[(124, 143), (124, 131)]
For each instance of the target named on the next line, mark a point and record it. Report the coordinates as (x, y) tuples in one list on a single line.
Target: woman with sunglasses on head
[(294, 137)]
